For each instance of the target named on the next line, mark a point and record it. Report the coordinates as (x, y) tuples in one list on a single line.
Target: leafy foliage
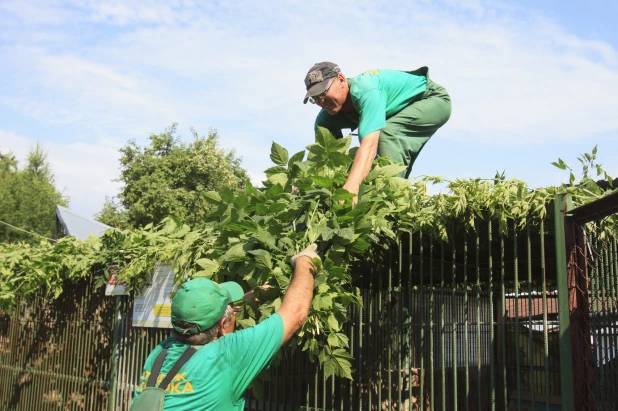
[(249, 236), (169, 177), (28, 197)]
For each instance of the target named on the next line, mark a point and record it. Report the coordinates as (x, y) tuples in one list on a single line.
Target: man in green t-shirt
[(203, 316), (396, 112)]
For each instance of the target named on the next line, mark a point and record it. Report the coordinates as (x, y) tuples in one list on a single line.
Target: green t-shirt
[(376, 96), (218, 374)]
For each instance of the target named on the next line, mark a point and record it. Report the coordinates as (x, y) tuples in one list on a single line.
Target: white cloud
[(119, 70)]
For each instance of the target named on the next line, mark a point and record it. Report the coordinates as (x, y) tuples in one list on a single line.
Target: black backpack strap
[(181, 361), (156, 368)]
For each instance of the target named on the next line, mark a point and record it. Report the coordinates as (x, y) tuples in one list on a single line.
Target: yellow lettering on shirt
[(145, 375), (174, 387), (372, 72), (188, 387), (180, 377), (160, 378), (142, 386)]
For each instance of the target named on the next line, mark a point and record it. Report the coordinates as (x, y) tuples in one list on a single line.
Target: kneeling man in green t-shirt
[(396, 112), (226, 361)]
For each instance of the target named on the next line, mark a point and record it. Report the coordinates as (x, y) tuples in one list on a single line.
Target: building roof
[(79, 226), (520, 307)]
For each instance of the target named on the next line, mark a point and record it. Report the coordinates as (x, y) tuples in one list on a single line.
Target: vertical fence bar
[(410, 362), (442, 326), (115, 354), (531, 384), (360, 358), (562, 205), (431, 324), (492, 377), (505, 393), (372, 345), (612, 255), (454, 324), (324, 388), (601, 334), (389, 327), (380, 316), (422, 301), (545, 323), (608, 324), (466, 323), (354, 388), (517, 330), (401, 328), (477, 286)]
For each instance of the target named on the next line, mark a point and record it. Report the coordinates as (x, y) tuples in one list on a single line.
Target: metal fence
[(472, 324), (469, 325), (592, 285), (54, 355)]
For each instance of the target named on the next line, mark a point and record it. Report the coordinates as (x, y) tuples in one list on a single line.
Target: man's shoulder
[(258, 332), (365, 81), (273, 322)]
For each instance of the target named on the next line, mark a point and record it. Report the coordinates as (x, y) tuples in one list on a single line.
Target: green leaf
[(281, 179), (321, 135), (209, 267), (342, 194), (386, 171), (346, 233), (338, 340), (235, 253), (282, 280), (359, 246), (227, 195), (263, 259), (275, 170), (560, 164), (333, 323), (241, 201), (212, 197), (342, 144), (324, 182), (278, 154), (246, 226), (296, 158), (337, 363), (266, 238)]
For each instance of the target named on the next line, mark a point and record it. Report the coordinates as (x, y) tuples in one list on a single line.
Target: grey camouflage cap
[(317, 78)]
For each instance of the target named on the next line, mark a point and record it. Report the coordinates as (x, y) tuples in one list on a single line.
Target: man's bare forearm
[(362, 161), (297, 300)]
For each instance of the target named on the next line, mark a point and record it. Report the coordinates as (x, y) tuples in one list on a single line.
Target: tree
[(113, 214), (28, 197), (170, 177)]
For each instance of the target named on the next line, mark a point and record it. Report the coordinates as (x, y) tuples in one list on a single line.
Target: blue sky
[(531, 81)]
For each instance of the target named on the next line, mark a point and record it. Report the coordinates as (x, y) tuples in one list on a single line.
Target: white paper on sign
[(152, 307)]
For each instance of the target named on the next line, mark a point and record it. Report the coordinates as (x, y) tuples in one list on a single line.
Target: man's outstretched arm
[(295, 307), (362, 162)]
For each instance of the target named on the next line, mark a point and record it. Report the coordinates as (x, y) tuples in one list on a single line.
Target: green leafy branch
[(250, 236)]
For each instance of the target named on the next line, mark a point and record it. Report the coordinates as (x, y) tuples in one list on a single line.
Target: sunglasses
[(320, 97)]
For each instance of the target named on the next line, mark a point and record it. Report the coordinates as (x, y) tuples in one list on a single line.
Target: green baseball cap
[(203, 303)]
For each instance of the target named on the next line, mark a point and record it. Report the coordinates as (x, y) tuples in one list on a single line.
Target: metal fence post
[(562, 205), (111, 405), (579, 312)]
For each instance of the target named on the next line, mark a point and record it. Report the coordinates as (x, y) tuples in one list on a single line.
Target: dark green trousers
[(407, 132)]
